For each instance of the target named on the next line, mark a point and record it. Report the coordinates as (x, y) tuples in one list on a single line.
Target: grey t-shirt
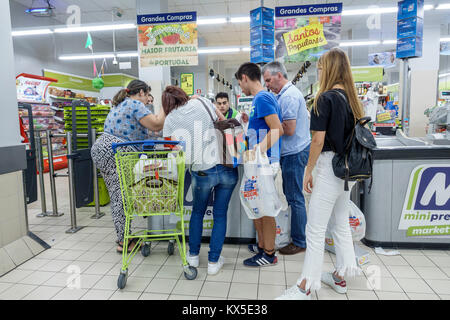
[(192, 123)]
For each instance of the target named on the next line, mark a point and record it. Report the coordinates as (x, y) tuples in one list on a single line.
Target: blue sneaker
[(253, 248), (261, 260)]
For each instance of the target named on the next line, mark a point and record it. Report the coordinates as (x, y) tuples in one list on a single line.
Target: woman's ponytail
[(119, 97)]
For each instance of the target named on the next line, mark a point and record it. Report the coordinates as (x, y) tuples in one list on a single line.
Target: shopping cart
[(152, 184)]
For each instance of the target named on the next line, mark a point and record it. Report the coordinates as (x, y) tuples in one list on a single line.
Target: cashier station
[(395, 158)]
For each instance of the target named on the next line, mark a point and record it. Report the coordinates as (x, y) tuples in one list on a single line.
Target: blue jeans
[(292, 169), (222, 180)]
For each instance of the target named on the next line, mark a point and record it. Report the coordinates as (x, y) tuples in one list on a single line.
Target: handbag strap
[(207, 109)]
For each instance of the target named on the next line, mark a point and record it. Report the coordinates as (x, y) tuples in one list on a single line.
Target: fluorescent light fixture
[(86, 56), (240, 19), (358, 43), (30, 32), (443, 6), (127, 54), (443, 75), (246, 49), (93, 28), (445, 39), (389, 42), (219, 50), (201, 21), (38, 10), (428, 7), (358, 12)]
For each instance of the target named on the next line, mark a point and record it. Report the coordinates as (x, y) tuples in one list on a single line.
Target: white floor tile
[(215, 289), (4, 286), (125, 295), (272, 278), (169, 272), (384, 295), (414, 285), (361, 295), (95, 294), (359, 283), (87, 281), (419, 261), (107, 283), (441, 261), (70, 294), (221, 276), (423, 296), (385, 284), (70, 255), (440, 286), (246, 276), (15, 275), (293, 266), (16, 291), (270, 292), (56, 266), (42, 293), (50, 254), (393, 260), (431, 273), (89, 256), (33, 264), (153, 296), (446, 270), (136, 284), (291, 278), (243, 290), (37, 278), (60, 279), (403, 272), (182, 297), (188, 287), (325, 293), (100, 268), (161, 286), (146, 270), (444, 296)]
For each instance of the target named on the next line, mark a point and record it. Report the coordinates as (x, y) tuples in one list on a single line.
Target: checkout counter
[(409, 203)]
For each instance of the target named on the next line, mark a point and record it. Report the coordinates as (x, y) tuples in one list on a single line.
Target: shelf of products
[(69, 95)]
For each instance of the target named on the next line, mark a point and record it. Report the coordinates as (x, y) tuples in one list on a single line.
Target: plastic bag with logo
[(164, 168), (258, 193), (283, 223), (356, 220)]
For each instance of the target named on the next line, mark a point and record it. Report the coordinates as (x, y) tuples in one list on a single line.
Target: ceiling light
[(443, 6), (86, 56), (357, 12), (218, 50), (389, 42), (30, 32), (428, 7), (358, 43), (240, 19), (129, 54), (445, 39), (211, 21), (246, 49), (443, 75), (96, 28)]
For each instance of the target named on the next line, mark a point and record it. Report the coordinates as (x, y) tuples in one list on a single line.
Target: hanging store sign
[(367, 74), (69, 81), (32, 88), (426, 209), (187, 83), (304, 33), (168, 39), (385, 59)]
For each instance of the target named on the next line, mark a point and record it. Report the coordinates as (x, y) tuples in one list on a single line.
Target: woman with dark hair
[(128, 120), (190, 121)]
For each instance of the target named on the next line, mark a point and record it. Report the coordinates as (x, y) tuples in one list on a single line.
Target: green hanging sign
[(367, 74)]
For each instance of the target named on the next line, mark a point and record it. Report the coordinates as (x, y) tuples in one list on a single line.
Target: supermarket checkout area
[(408, 205)]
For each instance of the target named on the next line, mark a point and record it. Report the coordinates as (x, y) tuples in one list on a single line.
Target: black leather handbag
[(356, 163)]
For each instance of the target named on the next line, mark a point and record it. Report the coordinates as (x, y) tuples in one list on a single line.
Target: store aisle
[(53, 274)]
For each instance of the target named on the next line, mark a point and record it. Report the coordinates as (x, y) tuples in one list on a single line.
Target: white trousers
[(329, 203)]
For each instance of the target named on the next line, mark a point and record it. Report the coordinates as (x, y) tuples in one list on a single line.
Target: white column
[(157, 77), (424, 80)]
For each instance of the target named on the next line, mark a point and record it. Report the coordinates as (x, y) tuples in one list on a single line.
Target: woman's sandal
[(132, 240)]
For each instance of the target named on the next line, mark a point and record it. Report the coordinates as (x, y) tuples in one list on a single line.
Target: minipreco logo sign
[(426, 210)]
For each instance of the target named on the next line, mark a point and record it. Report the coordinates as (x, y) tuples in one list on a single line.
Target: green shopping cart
[(152, 184)]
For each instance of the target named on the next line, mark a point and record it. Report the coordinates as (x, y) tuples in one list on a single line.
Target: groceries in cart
[(155, 184)]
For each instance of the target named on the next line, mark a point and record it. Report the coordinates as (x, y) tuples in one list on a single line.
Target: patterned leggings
[(103, 157)]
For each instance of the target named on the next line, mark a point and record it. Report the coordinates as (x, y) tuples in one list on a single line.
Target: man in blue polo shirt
[(264, 130), (294, 150)]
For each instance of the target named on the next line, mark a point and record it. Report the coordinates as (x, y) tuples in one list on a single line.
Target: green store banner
[(168, 39), (68, 81), (117, 80), (304, 33), (367, 74)]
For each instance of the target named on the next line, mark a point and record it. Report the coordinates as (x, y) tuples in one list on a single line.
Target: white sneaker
[(339, 287), (214, 268), (193, 260), (294, 293)]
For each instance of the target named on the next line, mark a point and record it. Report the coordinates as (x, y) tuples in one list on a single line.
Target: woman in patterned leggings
[(128, 120)]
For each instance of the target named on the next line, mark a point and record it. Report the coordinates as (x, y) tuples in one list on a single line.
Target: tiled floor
[(85, 265)]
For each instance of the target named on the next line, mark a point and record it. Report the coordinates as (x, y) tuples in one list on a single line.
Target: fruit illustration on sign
[(171, 38)]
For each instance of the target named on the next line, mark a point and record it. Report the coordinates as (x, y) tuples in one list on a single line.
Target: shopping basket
[(152, 184)]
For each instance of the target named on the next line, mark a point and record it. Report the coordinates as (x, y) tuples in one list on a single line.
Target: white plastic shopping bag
[(258, 194), (356, 220), (283, 223)]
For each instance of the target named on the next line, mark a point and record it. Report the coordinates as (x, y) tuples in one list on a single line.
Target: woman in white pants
[(335, 110)]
